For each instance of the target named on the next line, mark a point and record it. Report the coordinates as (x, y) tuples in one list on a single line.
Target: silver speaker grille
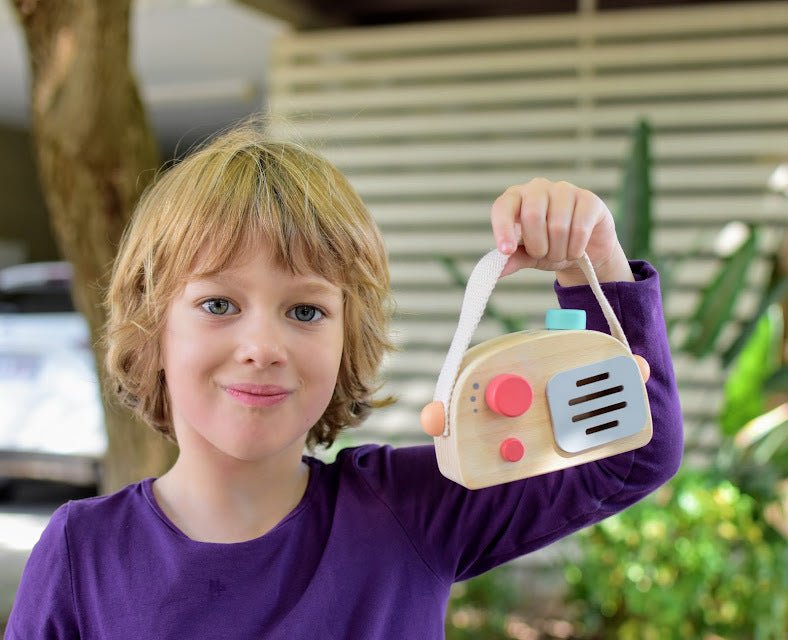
[(596, 404)]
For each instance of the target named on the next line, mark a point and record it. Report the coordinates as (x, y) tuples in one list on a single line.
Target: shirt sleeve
[(44, 603), (461, 533)]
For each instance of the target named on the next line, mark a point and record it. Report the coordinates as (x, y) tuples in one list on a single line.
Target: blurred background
[(675, 112)]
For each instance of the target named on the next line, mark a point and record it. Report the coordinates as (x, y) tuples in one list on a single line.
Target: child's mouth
[(257, 400)]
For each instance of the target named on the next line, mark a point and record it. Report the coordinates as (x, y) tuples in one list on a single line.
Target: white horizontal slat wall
[(431, 122)]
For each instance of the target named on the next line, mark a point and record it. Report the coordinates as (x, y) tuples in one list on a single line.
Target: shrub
[(694, 560)]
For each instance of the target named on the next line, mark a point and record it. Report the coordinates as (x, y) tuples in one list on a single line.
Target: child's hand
[(554, 223)]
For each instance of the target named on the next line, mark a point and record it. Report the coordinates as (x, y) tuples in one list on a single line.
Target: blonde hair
[(224, 197)]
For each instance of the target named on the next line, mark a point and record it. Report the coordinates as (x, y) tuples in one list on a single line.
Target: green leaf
[(744, 398), (776, 292), (633, 213), (719, 298)]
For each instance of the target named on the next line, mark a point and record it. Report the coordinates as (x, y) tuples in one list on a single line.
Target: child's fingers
[(558, 222), (518, 260), (560, 216), (504, 215), (554, 221), (533, 217), (589, 211), (579, 236)]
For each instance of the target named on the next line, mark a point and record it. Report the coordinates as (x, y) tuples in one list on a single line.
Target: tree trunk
[(95, 154)]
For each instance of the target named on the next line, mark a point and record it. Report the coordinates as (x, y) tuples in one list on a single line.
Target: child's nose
[(261, 343)]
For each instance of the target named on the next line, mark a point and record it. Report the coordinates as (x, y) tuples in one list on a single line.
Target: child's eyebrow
[(209, 278), (301, 285), (318, 287)]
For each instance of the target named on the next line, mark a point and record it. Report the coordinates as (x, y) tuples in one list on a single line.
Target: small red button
[(512, 450), (508, 395)]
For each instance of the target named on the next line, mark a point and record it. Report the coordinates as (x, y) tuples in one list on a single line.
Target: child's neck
[(212, 505)]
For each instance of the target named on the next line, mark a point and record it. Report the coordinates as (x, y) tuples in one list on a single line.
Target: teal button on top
[(565, 319)]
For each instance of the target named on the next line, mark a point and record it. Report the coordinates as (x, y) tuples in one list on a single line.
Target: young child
[(248, 313)]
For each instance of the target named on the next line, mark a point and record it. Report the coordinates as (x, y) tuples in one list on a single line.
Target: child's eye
[(218, 306), (306, 313)]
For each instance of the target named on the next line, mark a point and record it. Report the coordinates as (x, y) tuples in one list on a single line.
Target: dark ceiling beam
[(397, 11), (301, 14), (321, 14)]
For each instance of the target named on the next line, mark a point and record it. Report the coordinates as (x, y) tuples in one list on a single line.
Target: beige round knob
[(645, 369), (432, 418)]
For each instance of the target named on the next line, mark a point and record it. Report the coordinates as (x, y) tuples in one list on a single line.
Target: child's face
[(252, 324)]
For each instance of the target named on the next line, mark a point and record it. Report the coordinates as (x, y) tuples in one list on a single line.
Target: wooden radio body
[(532, 402)]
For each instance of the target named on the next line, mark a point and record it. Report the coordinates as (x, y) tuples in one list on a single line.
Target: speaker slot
[(599, 412), (601, 427), (592, 379), (594, 396)]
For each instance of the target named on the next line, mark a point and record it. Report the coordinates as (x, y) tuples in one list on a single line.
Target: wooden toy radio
[(535, 401)]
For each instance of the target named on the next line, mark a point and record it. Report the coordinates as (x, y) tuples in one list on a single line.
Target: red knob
[(512, 450), (509, 395)]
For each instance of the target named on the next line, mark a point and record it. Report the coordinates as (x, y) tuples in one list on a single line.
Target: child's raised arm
[(460, 533)]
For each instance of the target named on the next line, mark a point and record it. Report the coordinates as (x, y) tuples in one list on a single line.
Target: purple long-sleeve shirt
[(371, 550)]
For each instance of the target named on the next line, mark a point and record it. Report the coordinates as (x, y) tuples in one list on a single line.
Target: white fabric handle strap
[(478, 290)]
